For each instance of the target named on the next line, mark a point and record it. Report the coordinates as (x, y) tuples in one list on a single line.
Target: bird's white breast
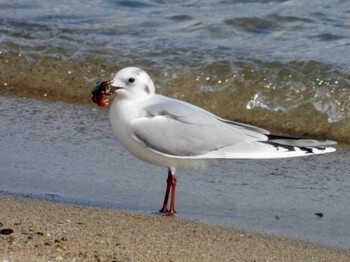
[(122, 113)]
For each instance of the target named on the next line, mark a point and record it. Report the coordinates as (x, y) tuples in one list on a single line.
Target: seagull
[(177, 135)]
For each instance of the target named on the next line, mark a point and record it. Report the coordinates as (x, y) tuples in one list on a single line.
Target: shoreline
[(304, 122), (51, 231)]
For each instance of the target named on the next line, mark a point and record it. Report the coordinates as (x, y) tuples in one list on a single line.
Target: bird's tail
[(274, 147)]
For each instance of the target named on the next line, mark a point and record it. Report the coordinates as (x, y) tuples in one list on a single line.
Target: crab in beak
[(100, 91)]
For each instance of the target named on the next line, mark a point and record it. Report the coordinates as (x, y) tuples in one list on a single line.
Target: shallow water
[(186, 33), (67, 152), (282, 61)]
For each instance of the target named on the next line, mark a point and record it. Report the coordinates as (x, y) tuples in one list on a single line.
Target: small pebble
[(319, 215), (61, 246), (64, 239), (6, 231), (278, 217)]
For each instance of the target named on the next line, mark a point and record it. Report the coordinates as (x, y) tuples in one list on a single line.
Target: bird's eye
[(131, 80)]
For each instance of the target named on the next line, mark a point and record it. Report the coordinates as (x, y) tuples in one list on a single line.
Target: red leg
[(171, 184), (173, 191), (164, 209)]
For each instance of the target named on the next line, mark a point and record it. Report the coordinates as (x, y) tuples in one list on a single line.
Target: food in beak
[(100, 91)]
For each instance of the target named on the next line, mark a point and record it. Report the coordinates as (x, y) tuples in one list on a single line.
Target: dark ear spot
[(147, 89)]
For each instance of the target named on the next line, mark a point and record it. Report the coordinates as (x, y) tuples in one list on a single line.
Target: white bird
[(178, 135)]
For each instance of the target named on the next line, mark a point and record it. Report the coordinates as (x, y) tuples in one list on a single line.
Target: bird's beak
[(113, 89), (103, 89)]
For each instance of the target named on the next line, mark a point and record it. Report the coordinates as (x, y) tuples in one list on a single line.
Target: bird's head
[(129, 83)]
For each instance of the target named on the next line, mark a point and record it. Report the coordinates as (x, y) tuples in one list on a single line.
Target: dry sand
[(47, 231)]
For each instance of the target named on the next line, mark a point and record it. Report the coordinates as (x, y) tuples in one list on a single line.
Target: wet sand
[(47, 231)]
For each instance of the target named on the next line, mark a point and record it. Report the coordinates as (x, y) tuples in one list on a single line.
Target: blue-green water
[(181, 34)]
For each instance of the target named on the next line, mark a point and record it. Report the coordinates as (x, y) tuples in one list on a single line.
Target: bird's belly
[(138, 149)]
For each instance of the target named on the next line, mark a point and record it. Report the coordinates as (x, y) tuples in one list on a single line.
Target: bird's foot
[(166, 212)]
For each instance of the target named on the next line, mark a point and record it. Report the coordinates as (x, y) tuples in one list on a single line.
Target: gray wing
[(177, 128)]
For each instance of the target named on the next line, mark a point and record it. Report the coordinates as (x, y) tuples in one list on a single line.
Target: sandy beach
[(48, 231)]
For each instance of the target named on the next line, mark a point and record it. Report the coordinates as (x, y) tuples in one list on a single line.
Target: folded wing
[(179, 129)]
